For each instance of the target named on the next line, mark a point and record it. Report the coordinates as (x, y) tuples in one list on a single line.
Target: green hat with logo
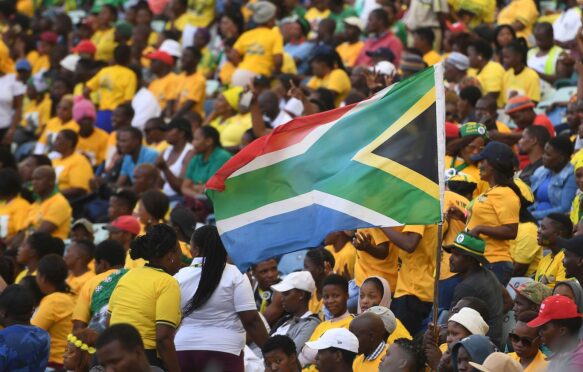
[(468, 245), (473, 129)]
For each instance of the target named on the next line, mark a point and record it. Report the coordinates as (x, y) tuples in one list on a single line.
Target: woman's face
[(65, 110), (473, 148), (200, 142), (173, 136), (510, 58), (455, 332), (369, 296), (463, 360), (504, 37), (525, 340), (221, 105), (335, 299), (486, 170), (227, 27), (25, 253), (553, 159), (143, 215)]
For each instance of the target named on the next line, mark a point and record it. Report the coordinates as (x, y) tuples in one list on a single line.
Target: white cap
[(70, 62), (301, 280), (386, 316), (471, 320), (355, 21), (171, 47), (340, 338), (498, 362), (384, 68)]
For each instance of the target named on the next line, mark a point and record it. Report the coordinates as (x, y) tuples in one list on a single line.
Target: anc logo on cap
[(460, 238), (473, 129)]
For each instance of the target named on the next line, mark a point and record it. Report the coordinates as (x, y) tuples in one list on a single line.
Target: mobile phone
[(245, 99)]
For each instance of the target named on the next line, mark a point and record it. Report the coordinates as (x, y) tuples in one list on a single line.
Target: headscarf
[(232, 96), (386, 299), (577, 291), (83, 108), (477, 346)]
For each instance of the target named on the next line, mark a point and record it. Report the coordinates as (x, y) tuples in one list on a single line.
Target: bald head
[(370, 331), (43, 180), (146, 177)]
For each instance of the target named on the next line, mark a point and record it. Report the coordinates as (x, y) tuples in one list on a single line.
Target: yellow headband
[(80, 344)]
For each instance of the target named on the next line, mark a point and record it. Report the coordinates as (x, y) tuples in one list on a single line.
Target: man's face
[(573, 264), (547, 233), (326, 360), (278, 361), (65, 110), (394, 360), (266, 273), (126, 143), (41, 184), (458, 263), (526, 143), (141, 180), (114, 358), (522, 304)]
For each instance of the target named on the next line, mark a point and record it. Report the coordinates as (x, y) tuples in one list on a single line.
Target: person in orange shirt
[(164, 85), (350, 49), (191, 85), (73, 169), (92, 141)]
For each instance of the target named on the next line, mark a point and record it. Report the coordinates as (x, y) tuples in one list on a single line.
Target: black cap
[(575, 244), (384, 53), (497, 152), (184, 219)]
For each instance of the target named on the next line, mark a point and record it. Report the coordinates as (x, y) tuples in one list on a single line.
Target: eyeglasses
[(526, 341)]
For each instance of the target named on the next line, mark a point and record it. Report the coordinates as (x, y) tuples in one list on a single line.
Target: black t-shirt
[(484, 285)]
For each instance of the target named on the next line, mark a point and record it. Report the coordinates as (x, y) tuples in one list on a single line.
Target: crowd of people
[(115, 114)]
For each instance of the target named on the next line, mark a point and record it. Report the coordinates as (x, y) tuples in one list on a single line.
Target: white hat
[(340, 338), (384, 68), (301, 280), (458, 60), (471, 320), (263, 11), (355, 21), (70, 62), (386, 316), (498, 362), (171, 47)]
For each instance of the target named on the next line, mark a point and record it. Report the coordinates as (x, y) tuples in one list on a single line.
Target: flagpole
[(436, 281)]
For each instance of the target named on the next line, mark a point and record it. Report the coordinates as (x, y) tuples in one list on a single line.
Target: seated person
[(474, 348), (129, 143), (73, 170)]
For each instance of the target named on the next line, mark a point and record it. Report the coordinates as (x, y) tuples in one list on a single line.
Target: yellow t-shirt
[(56, 210), (451, 229), (330, 324), (349, 52), (164, 89), (186, 19), (399, 332), (38, 62), (431, 58), (550, 270), (77, 282), (159, 147), (362, 365), (527, 83), (233, 128), (289, 65), (497, 206), (104, 41), (538, 364), (366, 265), (114, 85), (36, 114), (490, 78), (82, 310), (54, 126), (575, 208), (74, 171), (525, 249), (131, 263), (226, 73), (316, 15), (203, 12), (416, 275), (523, 11), (145, 297), (257, 47), (315, 305), (13, 215), (337, 80), (191, 87), (54, 316), (94, 146), (345, 257)]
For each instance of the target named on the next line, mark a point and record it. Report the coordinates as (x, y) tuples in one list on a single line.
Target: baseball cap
[(355, 21), (496, 151), (171, 47), (49, 37), (23, 65), (384, 53), (339, 338), (462, 177), (301, 280), (498, 362), (553, 308), (83, 222), (161, 56), (85, 47), (412, 63), (69, 63), (575, 244), (263, 11), (386, 315), (518, 104), (458, 60), (471, 320), (473, 129), (534, 291), (384, 68), (184, 219), (468, 245), (124, 223)]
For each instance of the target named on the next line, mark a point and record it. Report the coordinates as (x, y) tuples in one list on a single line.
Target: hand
[(371, 79), (296, 92), (251, 88), (475, 231), (161, 163), (456, 214), (361, 241)]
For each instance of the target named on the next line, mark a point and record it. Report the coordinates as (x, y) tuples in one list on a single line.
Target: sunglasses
[(526, 341)]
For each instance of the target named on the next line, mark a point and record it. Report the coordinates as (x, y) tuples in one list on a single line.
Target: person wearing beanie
[(474, 348), (92, 141), (73, 170), (262, 38)]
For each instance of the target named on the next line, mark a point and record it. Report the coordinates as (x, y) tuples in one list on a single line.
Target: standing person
[(258, 51), (559, 323), (372, 346), (532, 144), (489, 73), (268, 301), (380, 36), (552, 228), (11, 98), (172, 161), (279, 354), (191, 85), (421, 14), (56, 308), (115, 85), (24, 347), (149, 297), (337, 349), (218, 308), (526, 344)]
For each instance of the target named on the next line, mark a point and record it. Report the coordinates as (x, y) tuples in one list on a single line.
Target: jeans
[(503, 271)]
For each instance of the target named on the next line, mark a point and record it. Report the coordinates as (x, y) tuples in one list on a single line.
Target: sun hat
[(471, 320), (498, 362)]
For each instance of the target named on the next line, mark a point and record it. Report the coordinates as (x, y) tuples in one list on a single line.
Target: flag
[(378, 162)]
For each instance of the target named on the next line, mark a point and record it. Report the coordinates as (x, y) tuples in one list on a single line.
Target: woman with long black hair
[(218, 307)]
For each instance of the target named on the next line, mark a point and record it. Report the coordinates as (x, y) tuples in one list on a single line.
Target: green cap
[(473, 129), (470, 246)]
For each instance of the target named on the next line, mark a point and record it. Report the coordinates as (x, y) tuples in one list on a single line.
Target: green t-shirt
[(200, 171)]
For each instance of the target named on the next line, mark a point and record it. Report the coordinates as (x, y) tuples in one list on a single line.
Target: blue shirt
[(24, 348), (147, 155)]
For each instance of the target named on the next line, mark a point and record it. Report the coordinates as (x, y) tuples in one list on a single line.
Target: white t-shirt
[(538, 63), (10, 87), (175, 168), (145, 106), (216, 325), (565, 27)]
